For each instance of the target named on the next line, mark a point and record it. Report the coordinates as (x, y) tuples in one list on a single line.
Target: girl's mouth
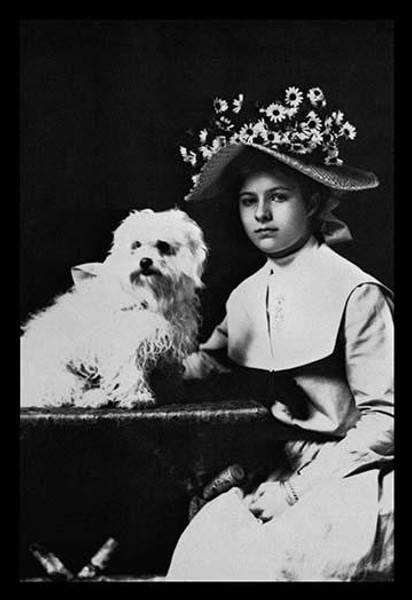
[(266, 230)]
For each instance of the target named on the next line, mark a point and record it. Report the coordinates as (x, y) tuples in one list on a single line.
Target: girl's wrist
[(301, 483), (290, 491)]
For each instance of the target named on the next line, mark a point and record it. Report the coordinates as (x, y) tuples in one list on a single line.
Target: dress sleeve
[(368, 339)]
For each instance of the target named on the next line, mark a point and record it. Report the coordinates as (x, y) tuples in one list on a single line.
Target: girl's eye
[(246, 201), (135, 245), (279, 198), (164, 247)]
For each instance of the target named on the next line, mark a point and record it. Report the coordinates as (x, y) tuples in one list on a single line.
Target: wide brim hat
[(299, 130), (340, 178)]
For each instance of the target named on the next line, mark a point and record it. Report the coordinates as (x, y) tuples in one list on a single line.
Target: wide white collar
[(294, 261), (308, 291)]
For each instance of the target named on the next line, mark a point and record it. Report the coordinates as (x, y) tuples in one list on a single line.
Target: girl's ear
[(313, 203)]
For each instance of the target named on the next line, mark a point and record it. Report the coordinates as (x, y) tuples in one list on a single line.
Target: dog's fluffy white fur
[(98, 342)]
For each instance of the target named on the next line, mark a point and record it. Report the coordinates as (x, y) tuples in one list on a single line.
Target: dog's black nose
[(145, 263)]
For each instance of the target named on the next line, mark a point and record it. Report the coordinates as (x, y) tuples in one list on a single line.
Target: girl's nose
[(263, 213)]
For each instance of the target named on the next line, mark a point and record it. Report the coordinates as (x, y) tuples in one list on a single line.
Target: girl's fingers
[(261, 489), (264, 487), (256, 511), (259, 504)]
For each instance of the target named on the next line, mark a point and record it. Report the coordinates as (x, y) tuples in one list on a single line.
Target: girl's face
[(273, 212)]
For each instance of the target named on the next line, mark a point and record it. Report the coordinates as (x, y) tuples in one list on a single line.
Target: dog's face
[(156, 250)]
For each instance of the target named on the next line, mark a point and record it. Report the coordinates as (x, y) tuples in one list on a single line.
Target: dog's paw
[(58, 393), (137, 400), (45, 401), (94, 398)]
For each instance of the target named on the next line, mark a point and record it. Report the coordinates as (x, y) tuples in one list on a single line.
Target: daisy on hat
[(297, 130)]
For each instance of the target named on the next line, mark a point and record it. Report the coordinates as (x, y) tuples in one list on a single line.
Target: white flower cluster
[(296, 125)]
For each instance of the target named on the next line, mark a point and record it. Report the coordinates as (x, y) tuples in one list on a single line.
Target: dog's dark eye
[(135, 245), (164, 247)]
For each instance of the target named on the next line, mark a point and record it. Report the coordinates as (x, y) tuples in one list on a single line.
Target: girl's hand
[(200, 365), (268, 501)]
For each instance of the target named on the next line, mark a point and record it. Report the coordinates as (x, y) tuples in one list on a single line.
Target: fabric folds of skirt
[(336, 532)]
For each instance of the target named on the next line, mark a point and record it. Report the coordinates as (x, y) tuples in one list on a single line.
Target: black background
[(104, 105)]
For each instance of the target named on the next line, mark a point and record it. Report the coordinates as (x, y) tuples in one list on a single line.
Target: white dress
[(330, 326)]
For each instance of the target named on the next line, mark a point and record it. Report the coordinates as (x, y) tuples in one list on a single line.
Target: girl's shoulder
[(322, 272), (343, 271)]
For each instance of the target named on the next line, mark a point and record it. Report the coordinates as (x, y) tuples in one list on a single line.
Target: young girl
[(312, 315)]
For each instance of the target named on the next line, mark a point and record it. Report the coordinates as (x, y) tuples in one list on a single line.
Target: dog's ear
[(86, 271), (200, 252), (198, 249)]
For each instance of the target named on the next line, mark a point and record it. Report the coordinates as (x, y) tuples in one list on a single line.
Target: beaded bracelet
[(291, 495)]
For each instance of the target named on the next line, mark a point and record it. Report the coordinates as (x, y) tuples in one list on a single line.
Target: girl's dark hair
[(252, 161)]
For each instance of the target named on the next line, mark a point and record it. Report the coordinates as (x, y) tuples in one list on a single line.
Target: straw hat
[(297, 131)]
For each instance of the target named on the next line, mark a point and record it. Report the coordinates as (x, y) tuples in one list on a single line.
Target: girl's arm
[(368, 332), (200, 364)]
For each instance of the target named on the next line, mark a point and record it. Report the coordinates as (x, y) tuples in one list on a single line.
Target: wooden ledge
[(213, 412)]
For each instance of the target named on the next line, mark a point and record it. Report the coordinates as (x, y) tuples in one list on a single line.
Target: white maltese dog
[(99, 342)]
